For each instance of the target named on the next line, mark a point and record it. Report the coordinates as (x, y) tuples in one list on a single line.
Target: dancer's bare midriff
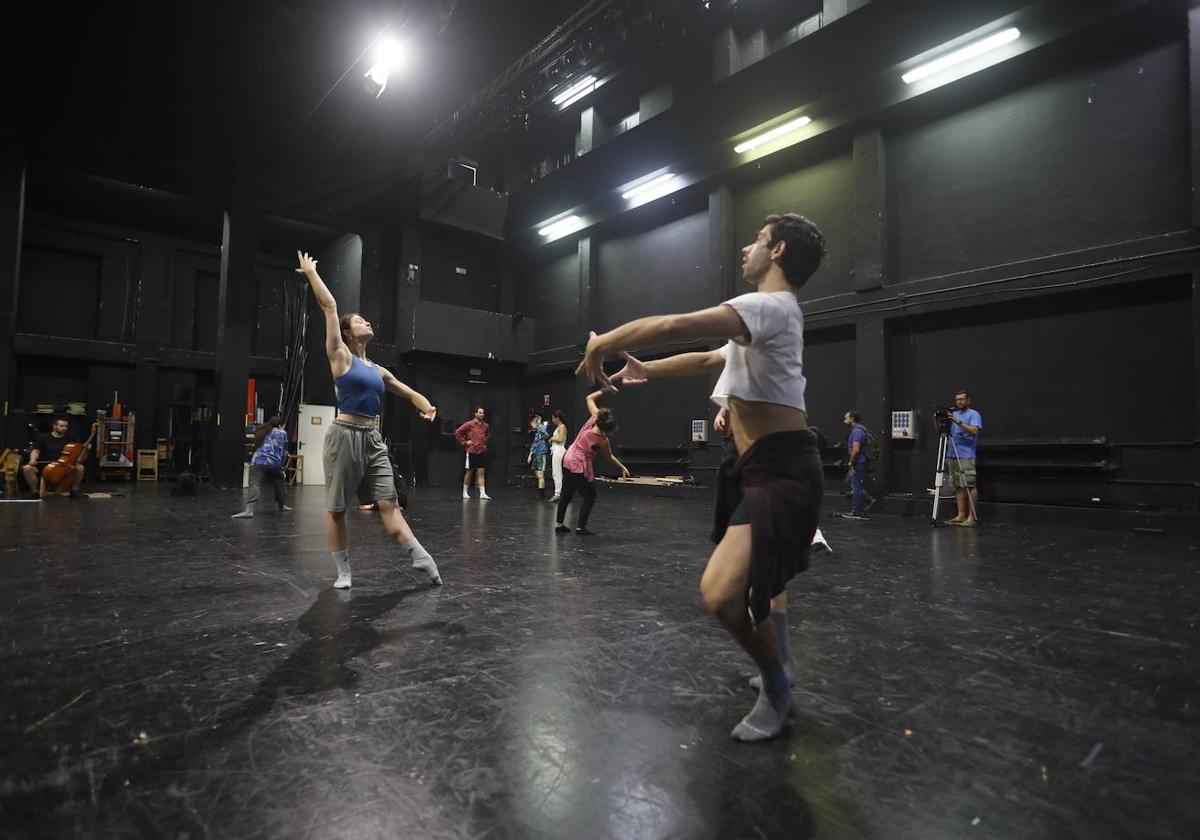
[(754, 420), (356, 419)]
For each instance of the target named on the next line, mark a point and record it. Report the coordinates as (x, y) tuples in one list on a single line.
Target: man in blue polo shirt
[(966, 424), (857, 463)]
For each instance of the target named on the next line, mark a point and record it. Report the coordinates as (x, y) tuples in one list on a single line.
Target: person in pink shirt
[(473, 436), (578, 474)]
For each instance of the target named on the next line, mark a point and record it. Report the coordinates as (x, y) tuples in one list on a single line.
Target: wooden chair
[(147, 465), (293, 469), (10, 465)]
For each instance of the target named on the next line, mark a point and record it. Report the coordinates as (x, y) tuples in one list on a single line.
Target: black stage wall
[(1027, 233)]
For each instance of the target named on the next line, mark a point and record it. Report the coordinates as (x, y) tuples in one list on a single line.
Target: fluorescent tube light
[(778, 131), (1006, 36), (561, 227), (643, 188), (576, 91)]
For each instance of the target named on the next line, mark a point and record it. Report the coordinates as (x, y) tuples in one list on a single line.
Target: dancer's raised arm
[(335, 348)]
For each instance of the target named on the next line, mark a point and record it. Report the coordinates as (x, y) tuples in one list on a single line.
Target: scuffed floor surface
[(170, 672)]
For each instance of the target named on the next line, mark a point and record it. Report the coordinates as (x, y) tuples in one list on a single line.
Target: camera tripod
[(945, 446)]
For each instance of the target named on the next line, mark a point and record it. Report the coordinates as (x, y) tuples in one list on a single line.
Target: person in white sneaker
[(355, 458), (769, 498), (473, 436), (558, 451), (266, 466)]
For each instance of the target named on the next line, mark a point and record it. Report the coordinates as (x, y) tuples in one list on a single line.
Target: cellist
[(46, 450)]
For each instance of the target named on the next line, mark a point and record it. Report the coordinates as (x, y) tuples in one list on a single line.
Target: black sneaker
[(561, 529), (867, 507), (584, 532), (861, 517)]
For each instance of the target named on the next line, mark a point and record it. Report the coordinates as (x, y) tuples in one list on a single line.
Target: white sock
[(466, 493), (483, 492), (422, 561), (343, 569)]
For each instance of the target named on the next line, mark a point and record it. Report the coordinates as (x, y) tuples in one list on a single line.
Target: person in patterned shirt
[(266, 465)]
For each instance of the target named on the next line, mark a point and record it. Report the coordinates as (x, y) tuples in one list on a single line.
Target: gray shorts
[(356, 462)]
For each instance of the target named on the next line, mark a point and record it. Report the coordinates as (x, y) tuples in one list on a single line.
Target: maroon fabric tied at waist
[(781, 481)]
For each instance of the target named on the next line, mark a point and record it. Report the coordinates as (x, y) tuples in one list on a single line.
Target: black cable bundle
[(295, 326)]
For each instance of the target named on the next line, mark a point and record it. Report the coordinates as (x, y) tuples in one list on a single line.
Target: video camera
[(940, 413)]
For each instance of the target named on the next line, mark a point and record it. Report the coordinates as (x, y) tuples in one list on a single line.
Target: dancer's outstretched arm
[(424, 407), (335, 348), (606, 451), (717, 322), (638, 372)]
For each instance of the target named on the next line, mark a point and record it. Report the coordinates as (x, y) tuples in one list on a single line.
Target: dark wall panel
[(59, 292), (830, 373), (560, 387), (549, 293), (660, 414), (824, 193), (195, 300), (51, 381), (268, 309), (444, 251), (1087, 158), (654, 272), (1109, 362)]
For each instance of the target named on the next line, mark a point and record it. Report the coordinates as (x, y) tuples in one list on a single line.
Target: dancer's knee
[(724, 603)]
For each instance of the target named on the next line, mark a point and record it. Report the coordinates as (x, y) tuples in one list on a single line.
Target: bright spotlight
[(389, 57)]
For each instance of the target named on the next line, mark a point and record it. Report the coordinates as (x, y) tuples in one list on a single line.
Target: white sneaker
[(485, 497), (343, 578), (555, 498), (466, 495), (819, 540)]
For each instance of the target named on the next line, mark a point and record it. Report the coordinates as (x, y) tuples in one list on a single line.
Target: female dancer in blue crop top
[(355, 459)]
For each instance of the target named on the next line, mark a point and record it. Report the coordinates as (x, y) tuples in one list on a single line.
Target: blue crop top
[(359, 389)]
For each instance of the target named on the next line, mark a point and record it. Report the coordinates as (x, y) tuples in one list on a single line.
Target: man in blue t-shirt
[(960, 459), (857, 463)]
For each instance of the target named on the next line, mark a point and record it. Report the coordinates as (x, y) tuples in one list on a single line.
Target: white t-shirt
[(769, 367)]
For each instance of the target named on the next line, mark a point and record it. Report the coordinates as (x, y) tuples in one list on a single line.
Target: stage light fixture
[(650, 187), (560, 227), (775, 133), (977, 48), (575, 92), (646, 185), (389, 57)]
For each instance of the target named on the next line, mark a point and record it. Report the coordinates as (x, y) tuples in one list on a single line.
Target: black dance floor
[(169, 672)]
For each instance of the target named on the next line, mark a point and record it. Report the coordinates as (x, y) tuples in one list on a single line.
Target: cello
[(60, 475)]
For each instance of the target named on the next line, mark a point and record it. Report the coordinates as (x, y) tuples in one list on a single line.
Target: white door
[(314, 422)]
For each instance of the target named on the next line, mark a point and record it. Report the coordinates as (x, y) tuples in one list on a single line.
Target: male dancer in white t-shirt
[(770, 498)]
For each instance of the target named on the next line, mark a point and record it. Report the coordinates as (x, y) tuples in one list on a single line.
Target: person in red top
[(577, 464), (473, 436)]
